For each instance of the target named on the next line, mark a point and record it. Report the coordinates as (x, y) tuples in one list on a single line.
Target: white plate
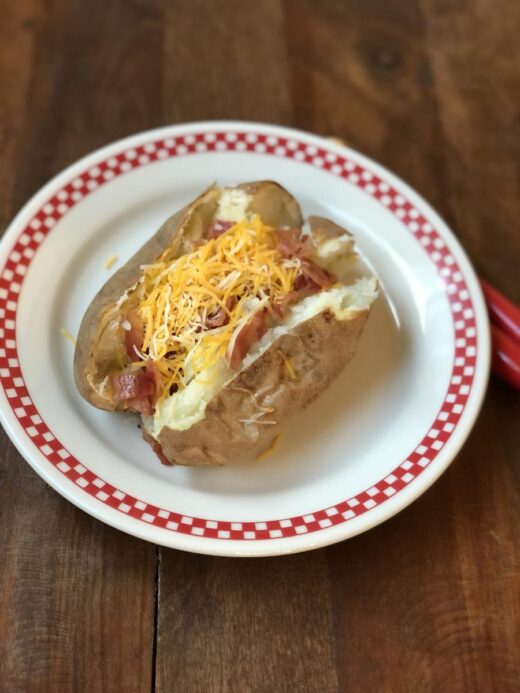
[(382, 433)]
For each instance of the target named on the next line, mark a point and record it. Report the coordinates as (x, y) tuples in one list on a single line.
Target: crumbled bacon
[(135, 335), (303, 285), (140, 390), (126, 385), (250, 333), (321, 277), (279, 309), (156, 447), (221, 317), (292, 243), (155, 375), (140, 406), (217, 228), (311, 278)]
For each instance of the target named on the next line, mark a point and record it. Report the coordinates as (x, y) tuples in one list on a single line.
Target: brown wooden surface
[(429, 601)]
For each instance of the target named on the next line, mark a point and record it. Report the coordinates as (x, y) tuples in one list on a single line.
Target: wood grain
[(226, 63), (360, 71), (429, 601), (421, 98), (77, 598), (442, 579), (476, 69), (244, 625)]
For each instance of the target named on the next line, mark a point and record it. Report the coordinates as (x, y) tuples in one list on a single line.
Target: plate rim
[(268, 546)]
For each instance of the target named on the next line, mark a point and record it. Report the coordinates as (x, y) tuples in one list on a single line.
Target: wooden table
[(429, 601)]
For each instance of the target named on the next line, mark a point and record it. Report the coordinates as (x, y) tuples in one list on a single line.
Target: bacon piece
[(221, 317), (279, 309), (217, 228), (135, 335), (292, 243), (217, 319), (125, 386), (140, 406), (311, 280), (321, 277), (140, 389), (156, 447), (250, 333), (154, 374), (303, 286)]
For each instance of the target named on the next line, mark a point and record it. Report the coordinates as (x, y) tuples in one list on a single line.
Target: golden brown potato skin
[(99, 344), (318, 349)]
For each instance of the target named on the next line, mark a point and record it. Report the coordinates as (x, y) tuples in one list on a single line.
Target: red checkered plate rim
[(461, 402)]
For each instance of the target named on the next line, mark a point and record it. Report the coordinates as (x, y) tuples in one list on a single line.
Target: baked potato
[(231, 319)]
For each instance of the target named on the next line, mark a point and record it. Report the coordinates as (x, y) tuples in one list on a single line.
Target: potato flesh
[(233, 204), (183, 409)]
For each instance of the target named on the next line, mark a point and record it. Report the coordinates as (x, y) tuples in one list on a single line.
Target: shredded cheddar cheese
[(68, 335), (288, 366), (270, 449), (110, 262), (235, 274)]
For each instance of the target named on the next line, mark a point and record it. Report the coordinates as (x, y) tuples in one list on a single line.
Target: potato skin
[(99, 342), (318, 349), (101, 310)]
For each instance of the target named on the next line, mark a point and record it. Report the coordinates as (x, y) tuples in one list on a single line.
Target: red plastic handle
[(502, 311), (505, 359)]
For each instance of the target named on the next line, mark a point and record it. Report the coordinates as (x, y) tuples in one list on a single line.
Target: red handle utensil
[(505, 356), (505, 335), (502, 311)]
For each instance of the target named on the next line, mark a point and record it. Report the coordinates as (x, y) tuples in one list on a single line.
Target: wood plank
[(360, 72), (430, 600), (225, 62), (474, 58), (416, 602), (96, 77), (77, 596), (16, 54), (244, 624), (227, 625), (442, 579), (77, 607), (413, 602)]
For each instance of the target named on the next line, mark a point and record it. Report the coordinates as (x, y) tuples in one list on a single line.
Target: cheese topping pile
[(239, 272)]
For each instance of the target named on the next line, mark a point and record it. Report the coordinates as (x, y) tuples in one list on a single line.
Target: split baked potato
[(231, 319)]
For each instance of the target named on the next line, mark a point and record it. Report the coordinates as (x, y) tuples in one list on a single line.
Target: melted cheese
[(289, 368)]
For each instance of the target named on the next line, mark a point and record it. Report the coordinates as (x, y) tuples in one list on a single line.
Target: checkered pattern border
[(19, 260)]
